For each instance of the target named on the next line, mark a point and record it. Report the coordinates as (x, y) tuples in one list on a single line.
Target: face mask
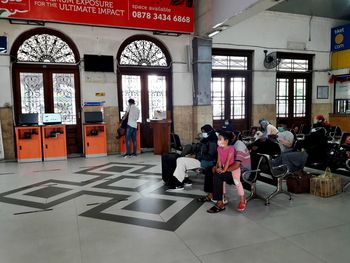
[(220, 144), (205, 135), (280, 129)]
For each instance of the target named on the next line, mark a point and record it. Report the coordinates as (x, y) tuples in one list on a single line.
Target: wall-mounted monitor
[(97, 63), (3, 44), (93, 117), (28, 119)]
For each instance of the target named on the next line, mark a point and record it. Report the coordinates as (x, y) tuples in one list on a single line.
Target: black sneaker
[(187, 182), (178, 187)]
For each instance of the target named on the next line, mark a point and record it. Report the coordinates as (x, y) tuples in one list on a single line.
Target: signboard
[(163, 15), (340, 38), (342, 90), (3, 44)]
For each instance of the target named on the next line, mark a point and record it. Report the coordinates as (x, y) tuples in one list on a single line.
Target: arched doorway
[(144, 74), (45, 66)]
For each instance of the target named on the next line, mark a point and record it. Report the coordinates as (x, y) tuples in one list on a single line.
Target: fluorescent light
[(217, 25), (214, 33)]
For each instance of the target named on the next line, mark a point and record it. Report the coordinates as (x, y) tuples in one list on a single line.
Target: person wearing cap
[(269, 131)]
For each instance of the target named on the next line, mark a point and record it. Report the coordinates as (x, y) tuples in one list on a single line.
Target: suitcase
[(299, 182), (168, 167)]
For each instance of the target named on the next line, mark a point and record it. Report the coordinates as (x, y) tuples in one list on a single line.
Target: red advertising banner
[(163, 15)]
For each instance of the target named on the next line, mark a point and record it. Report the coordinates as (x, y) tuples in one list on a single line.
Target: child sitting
[(226, 154)]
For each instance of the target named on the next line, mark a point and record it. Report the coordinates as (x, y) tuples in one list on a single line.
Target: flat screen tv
[(28, 119), (93, 117), (97, 63)]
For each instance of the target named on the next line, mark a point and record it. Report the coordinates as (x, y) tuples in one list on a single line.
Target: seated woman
[(203, 157), (269, 131)]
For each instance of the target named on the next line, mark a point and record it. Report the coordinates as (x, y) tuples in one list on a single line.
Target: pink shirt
[(223, 154)]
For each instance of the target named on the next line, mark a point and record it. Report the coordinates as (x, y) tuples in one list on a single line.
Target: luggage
[(326, 186), (299, 182), (168, 167)]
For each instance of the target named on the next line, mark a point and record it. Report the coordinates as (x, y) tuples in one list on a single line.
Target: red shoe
[(241, 206)]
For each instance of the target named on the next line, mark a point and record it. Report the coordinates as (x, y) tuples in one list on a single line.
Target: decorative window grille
[(45, 48), (64, 97), (143, 53), (32, 93)]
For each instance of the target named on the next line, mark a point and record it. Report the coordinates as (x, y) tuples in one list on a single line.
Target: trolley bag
[(299, 182), (168, 166)]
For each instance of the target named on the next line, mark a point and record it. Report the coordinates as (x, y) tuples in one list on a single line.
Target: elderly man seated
[(294, 160)]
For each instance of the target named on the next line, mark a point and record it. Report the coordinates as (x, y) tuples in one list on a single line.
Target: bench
[(267, 173)]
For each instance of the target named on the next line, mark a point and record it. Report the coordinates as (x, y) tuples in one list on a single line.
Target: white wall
[(273, 31), (5, 81), (103, 41)]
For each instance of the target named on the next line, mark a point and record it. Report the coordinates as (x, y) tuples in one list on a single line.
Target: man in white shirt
[(133, 114)]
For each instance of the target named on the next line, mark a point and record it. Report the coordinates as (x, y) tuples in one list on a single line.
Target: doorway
[(46, 80), (293, 89), (145, 76)]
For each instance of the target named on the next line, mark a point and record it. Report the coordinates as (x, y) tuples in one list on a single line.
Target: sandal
[(215, 209), (203, 199)]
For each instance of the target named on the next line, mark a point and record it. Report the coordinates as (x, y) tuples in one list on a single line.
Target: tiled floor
[(111, 209)]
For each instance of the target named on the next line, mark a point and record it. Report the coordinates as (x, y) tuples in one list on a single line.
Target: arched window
[(45, 48), (144, 74), (143, 53)]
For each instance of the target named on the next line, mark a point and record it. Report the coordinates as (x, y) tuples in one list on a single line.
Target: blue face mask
[(280, 129), (205, 135)]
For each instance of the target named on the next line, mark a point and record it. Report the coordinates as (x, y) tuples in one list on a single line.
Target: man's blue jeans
[(130, 133)]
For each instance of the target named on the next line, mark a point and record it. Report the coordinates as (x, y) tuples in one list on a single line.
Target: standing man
[(133, 114)]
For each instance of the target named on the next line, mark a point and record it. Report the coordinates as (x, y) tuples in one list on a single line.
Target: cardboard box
[(325, 186)]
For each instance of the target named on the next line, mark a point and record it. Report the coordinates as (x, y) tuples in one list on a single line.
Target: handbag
[(122, 128), (299, 182)]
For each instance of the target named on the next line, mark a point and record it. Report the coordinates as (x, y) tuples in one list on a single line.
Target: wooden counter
[(340, 120), (161, 136)]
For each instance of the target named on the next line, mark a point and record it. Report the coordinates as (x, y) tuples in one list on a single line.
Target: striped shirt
[(242, 155)]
